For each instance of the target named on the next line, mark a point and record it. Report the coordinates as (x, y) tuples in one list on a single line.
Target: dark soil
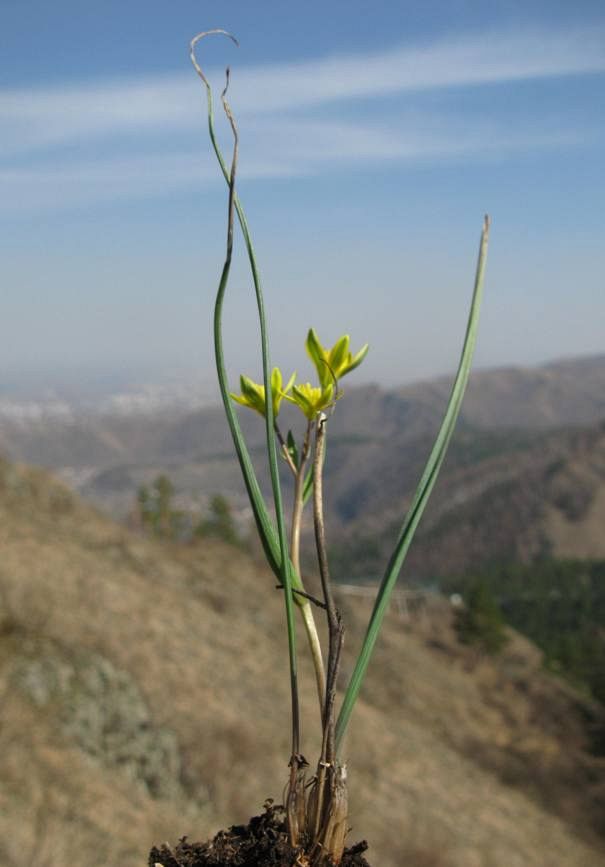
[(263, 842)]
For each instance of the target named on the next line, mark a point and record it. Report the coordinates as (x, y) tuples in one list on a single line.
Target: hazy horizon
[(87, 384)]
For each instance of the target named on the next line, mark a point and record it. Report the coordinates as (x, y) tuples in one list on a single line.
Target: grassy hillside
[(144, 696)]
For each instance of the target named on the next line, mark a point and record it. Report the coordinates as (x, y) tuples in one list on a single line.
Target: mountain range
[(525, 475)]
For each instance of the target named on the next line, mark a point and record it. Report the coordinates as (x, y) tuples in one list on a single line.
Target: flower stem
[(327, 803), (297, 513)]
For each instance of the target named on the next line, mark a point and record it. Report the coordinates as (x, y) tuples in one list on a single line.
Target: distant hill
[(524, 475), (559, 394), (555, 395), (144, 697), (502, 497)]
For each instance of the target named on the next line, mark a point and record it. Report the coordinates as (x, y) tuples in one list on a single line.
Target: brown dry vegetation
[(144, 697)]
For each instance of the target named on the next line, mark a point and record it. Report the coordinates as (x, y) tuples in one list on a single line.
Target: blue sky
[(373, 139)]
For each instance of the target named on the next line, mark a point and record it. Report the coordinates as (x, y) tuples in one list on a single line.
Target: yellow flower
[(311, 400), (332, 364), (253, 394)]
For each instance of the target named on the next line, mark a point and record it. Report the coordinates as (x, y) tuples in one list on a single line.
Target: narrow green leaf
[(264, 523), (285, 568), (421, 497)]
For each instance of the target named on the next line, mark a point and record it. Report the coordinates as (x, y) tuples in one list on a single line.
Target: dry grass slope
[(144, 696)]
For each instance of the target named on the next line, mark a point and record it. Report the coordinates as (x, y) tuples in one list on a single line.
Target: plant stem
[(329, 794), (297, 512), (335, 629), (316, 652), (297, 507)]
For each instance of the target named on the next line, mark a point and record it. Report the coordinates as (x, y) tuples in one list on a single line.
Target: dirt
[(263, 842)]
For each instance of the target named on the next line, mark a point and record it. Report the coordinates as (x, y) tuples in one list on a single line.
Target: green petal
[(318, 355), (276, 383), (276, 380), (253, 394), (248, 385), (339, 355), (277, 391), (250, 404), (314, 347), (299, 404), (300, 394), (289, 384), (356, 359), (326, 397)]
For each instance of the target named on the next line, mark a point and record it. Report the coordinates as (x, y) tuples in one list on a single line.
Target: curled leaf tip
[(198, 38)]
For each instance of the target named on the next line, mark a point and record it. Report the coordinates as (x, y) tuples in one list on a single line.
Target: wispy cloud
[(294, 149), (283, 136), (73, 184), (37, 117), (472, 60)]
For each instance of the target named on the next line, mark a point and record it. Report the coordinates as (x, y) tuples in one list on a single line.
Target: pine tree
[(219, 522), (480, 621)]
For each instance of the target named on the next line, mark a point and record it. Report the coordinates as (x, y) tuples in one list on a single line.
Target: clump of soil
[(263, 842)]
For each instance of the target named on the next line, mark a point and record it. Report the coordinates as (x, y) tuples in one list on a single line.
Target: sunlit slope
[(144, 696), (502, 497)]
